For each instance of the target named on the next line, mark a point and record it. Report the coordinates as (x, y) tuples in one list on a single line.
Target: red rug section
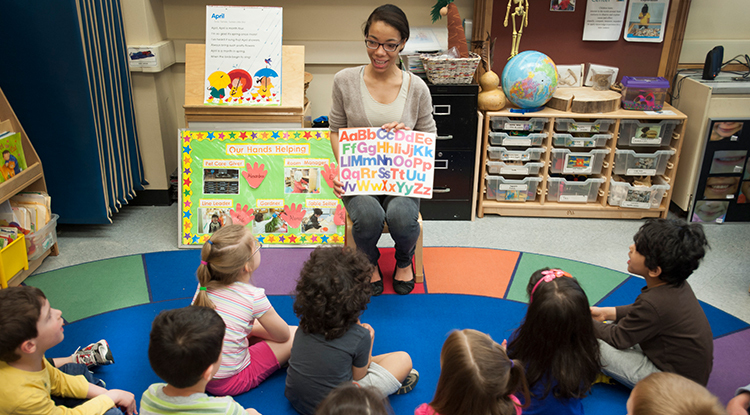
[(387, 264)]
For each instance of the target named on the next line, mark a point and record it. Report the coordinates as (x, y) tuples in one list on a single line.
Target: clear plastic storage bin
[(38, 243), (526, 140), (565, 161), (636, 133), (562, 190), (624, 194), (524, 124), (506, 190), (502, 153), (630, 163), (525, 169), (580, 139), (575, 126)]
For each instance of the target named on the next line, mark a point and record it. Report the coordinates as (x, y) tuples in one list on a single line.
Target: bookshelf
[(31, 179)]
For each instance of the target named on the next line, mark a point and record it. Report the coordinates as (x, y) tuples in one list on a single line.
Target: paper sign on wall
[(375, 161), (243, 55)]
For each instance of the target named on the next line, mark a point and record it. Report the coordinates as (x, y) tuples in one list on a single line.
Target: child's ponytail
[(204, 277), (223, 258), (517, 381)]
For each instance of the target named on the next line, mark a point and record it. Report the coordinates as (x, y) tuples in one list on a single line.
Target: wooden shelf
[(541, 207), (30, 179)]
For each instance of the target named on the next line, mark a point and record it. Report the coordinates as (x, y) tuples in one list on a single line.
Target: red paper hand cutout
[(241, 216), (255, 175), (293, 216), (339, 217), (330, 172)]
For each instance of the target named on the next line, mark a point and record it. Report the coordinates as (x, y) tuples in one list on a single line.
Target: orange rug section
[(472, 271)]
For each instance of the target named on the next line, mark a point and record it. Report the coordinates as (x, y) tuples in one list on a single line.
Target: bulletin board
[(272, 181)]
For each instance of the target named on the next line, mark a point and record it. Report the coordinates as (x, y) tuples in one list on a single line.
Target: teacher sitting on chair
[(381, 94)]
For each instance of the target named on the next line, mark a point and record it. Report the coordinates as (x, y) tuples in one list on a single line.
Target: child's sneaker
[(409, 383), (95, 354)]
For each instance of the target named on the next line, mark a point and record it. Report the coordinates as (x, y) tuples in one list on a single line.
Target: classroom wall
[(716, 22), (559, 34)]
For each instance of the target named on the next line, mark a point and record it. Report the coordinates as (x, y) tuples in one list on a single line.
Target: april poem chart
[(375, 161)]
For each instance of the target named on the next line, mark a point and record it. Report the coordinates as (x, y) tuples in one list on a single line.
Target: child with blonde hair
[(476, 377), (664, 393), (257, 341), (350, 399)]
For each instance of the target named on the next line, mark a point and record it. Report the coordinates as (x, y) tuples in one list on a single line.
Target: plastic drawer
[(38, 243), (502, 153), (630, 163), (571, 125), (636, 133), (622, 193), (524, 124), (526, 169), (525, 140), (565, 161), (562, 190), (506, 190), (580, 140)]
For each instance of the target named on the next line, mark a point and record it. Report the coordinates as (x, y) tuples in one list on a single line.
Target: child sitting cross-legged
[(476, 377), (185, 351), (557, 344), (665, 329), (31, 384), (332, 346), (350, 399)]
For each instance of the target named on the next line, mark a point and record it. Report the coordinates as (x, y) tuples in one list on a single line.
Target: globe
[(529, 79)]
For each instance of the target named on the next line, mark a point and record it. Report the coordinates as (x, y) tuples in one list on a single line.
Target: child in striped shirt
[(257, 341), (185, 351)]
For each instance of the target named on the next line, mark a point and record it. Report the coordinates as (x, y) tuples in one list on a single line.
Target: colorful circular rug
[(484, 289)]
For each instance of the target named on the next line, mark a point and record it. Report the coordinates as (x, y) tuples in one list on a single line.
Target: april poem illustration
[(243, 55), (376, 161)]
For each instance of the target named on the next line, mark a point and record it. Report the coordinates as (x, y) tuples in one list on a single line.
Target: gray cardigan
[(348, 111)]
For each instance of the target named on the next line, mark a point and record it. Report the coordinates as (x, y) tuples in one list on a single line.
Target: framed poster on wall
[(723, 187), (278, 182)]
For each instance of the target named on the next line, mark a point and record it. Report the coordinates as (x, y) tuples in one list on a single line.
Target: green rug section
[(96, 287), (596, 281)]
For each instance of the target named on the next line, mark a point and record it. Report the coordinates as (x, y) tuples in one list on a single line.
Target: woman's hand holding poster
[(376, 161)]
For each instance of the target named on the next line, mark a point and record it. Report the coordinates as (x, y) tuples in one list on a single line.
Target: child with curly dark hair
[(332, 346)]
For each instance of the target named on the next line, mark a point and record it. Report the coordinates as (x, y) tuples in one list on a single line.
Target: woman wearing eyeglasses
[(380, 94)]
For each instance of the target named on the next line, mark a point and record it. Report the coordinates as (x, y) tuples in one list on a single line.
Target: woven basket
[(450, 70)]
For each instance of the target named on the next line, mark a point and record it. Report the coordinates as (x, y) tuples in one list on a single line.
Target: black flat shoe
[(404, 287), (377, 286)]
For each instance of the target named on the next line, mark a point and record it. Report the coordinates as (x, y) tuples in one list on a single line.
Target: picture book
[(13, 161)]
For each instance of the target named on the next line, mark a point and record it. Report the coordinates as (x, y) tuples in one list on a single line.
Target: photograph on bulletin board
[(279, 183)]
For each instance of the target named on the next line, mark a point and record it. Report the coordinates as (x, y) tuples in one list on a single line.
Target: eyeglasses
[(388, 47), (257, 248)]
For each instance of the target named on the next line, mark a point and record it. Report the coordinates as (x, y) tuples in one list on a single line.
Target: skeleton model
[(519, 11)]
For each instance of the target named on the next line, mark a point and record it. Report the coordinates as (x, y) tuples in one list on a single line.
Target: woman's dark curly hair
[(332, 291)]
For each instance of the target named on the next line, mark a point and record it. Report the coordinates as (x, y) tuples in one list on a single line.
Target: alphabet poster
[(279, 183), (243, 55), (375, 161)]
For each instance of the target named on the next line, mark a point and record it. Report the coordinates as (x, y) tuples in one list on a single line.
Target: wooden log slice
[(585, 100)]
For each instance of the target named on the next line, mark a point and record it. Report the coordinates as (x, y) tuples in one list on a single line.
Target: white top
[(379, 113)]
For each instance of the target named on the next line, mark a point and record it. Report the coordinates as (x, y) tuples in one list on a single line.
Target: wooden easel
[(291, 110)]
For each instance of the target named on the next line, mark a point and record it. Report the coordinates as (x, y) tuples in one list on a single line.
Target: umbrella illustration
[(240, 82), (263, 78)]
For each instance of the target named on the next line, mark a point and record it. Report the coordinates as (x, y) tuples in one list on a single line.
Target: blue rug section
[(171, 274), (624, 294), (721, 322), (417, 324)]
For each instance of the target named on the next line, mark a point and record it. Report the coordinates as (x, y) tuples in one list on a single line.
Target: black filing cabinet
[(455, 112)]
